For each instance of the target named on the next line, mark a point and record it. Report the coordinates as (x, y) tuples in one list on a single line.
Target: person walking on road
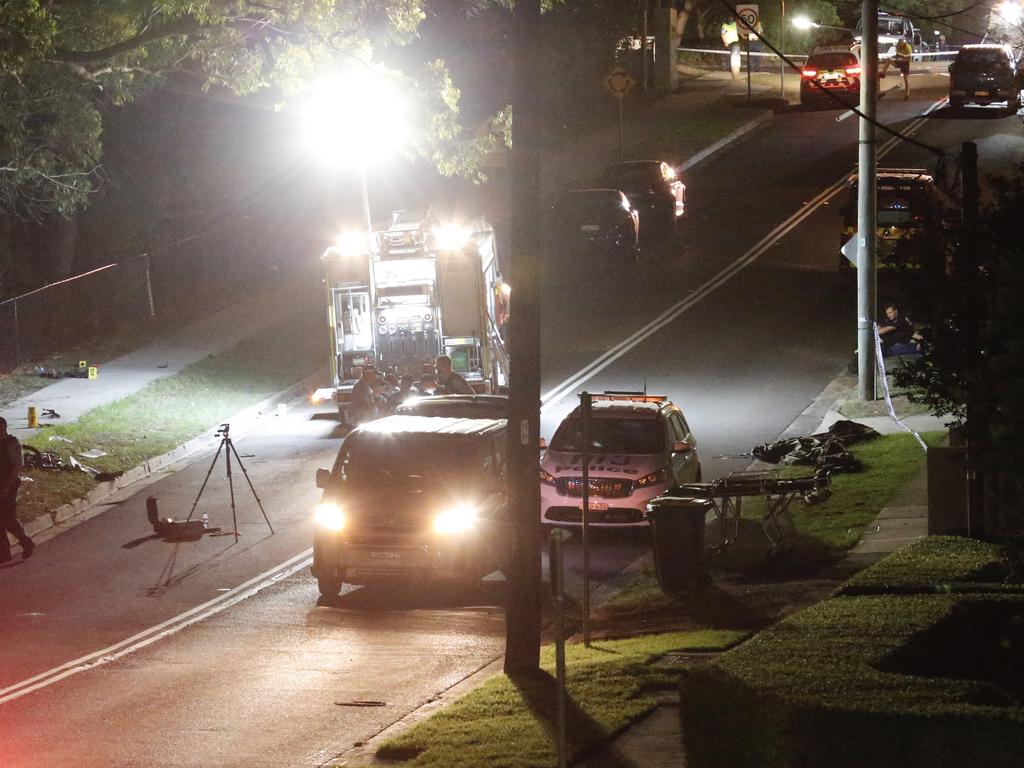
[(11, 463), (731, 40), (448, 381), (904, 52)]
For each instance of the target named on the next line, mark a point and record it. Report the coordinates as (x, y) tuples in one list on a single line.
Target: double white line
[(160, 631), (567, 387)]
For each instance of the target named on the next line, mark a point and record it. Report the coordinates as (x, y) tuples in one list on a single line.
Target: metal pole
[(149, 288), (366, 207), (643, 47), (866, 203), (17, 339), (968, 274), (585, 402), (620, 97), (748, 64), (782, 61), (556, 566)]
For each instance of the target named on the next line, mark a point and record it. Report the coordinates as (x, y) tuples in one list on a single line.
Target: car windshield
[(461, 410), (831, 61), (634, 175), (612, 435), (977, 58), (375, 461)]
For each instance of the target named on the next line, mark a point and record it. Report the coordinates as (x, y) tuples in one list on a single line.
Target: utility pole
[(523, 577), (867, 193)]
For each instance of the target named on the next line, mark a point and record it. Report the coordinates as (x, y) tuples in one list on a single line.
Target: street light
[(803, 23), (352, 118)]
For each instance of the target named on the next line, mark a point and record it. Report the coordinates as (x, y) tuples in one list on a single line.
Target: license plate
[(830, 76), (590, 227), (386, 555), (599, 506)]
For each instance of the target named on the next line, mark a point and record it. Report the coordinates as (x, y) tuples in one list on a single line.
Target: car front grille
[(605, 487), (610, 516)]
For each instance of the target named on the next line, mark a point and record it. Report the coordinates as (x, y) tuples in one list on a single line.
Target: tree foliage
[(64, 62), (972, 342)]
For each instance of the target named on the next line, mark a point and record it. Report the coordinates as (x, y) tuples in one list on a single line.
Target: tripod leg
[(231, 484), (205, 481), (251, 488)]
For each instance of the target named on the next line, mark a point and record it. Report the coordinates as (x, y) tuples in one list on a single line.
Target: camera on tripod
[(222, 430)]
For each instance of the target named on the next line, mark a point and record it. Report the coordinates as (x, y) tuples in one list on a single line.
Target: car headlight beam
[(330, 516), (455, 519)]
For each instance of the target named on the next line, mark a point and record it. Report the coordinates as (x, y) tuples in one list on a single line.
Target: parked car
[(456, 406), (653, 188), (640, 446), (830, 72), (412, 497), (600, 219), (910, 210), (984, 74)]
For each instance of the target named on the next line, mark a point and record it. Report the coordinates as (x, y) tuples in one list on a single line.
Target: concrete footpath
[(656, 741), (129, 373)]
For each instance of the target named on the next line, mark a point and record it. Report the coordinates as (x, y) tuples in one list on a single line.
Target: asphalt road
[(277, 679)]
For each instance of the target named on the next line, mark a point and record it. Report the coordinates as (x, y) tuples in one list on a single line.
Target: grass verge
[(825, 531), (170, 411), (901, 403), (885, 679), (509, 723)]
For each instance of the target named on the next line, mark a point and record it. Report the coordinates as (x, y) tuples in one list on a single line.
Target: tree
[(64, 63), (956, 369)]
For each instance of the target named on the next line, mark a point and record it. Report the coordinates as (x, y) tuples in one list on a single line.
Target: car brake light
[(809, 72), (853, 69)]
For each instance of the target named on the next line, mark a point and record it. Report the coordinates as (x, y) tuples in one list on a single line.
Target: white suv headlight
[(329, 515), (455, 520)]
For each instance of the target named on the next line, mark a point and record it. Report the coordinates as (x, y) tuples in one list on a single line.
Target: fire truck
[(419, 289)]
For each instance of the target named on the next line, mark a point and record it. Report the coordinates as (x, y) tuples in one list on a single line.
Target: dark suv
[(415, 498), (984, 74)]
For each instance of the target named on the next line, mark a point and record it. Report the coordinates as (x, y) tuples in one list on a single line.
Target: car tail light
[(853, 69), (809, 72), (547, 478)]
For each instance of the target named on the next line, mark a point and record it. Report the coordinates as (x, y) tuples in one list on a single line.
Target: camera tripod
[(228, 447)]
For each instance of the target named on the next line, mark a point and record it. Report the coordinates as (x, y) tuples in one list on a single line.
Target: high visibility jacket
[(903, 50), (729, 33)]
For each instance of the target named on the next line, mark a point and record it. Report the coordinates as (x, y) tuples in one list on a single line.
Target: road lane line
[(560, 391), (160, 631)]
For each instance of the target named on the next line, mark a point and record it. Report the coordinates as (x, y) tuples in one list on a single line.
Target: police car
[(640, 445), (830, 78)]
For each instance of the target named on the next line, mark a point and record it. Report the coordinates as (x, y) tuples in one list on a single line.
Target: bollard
[(33, 417)]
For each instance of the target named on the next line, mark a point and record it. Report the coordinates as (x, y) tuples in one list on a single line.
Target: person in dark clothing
[(364, 404), (10, 479), (403, 393), (896, 334), (448, 381)]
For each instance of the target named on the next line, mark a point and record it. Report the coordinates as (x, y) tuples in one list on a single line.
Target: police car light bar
[(641, 397)]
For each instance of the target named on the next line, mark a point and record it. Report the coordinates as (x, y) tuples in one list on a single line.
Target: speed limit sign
[(749, 19)]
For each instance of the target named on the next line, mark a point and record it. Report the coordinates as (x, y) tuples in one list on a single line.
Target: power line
[(856, 110)]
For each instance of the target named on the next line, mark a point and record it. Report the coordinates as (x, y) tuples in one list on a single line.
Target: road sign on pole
[(619, 82), (749, 18)]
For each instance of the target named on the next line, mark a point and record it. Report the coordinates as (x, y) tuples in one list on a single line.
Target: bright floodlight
[(1010, 12), (352, 242), (802, 22), (354, 117)]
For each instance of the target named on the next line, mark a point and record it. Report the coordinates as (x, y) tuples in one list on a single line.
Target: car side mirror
[(681, 446), (323, 478), (543, 444)]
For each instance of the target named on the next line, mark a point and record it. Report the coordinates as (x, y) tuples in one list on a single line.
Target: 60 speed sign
[(749, 18)]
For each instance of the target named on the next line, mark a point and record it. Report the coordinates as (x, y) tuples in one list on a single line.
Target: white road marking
[(160, 631), (560, 391)]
